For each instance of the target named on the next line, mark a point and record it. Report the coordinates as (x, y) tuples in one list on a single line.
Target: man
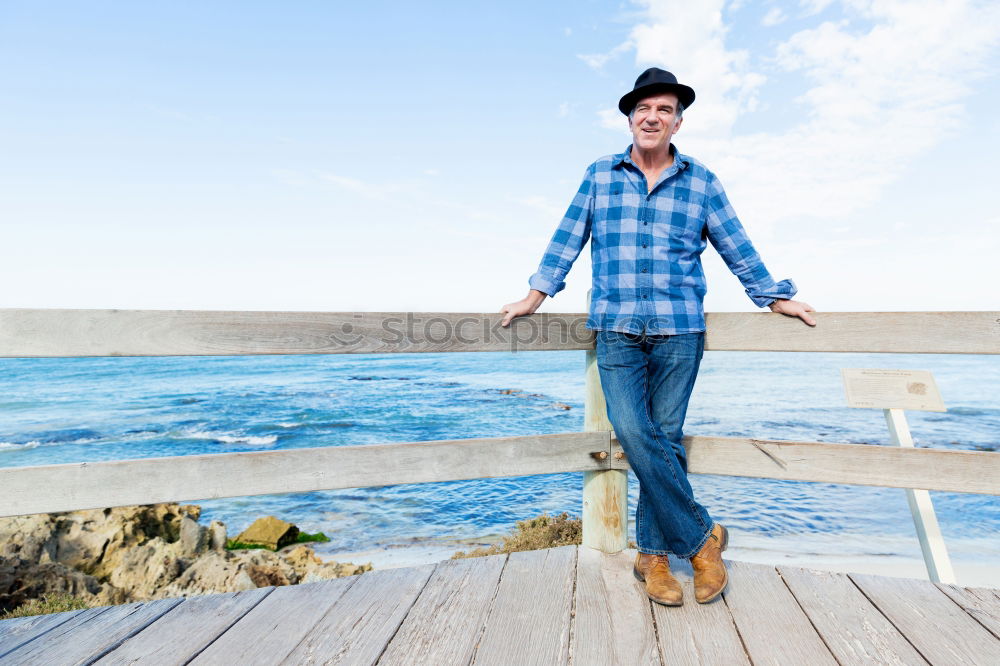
[(648, 212)]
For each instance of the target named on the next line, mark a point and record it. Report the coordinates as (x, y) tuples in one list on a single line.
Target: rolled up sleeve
[(728, 237), (567, 241)]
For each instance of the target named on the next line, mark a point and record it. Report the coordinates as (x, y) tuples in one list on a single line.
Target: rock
[(561, 405), (143, 570), (217, 535), (92, 540), (26, 536), (213, 572), (194, 538), (302, 559), (263, 576), (269, 531), (330, 570), (21, 581), (139, 553)]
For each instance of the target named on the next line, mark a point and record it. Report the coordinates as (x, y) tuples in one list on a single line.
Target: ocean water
[(91, 409)]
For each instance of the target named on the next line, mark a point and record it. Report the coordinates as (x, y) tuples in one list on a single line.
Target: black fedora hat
[(655, 80)]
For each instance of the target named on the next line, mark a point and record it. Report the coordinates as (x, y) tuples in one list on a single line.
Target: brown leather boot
[(661, 586), (710, 575)]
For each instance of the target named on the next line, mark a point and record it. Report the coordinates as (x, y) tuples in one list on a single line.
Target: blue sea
[(92, 409)]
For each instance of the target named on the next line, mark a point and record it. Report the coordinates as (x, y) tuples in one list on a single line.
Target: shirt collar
[(681, 161)]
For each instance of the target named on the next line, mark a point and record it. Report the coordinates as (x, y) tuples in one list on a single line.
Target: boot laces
[(660, 560)]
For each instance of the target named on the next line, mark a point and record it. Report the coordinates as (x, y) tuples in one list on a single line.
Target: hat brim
[(685, 95)]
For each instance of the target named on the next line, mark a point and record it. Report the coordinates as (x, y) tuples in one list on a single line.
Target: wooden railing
[(66, 333)]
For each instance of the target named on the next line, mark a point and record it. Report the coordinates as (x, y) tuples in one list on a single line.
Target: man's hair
[(680, 110)]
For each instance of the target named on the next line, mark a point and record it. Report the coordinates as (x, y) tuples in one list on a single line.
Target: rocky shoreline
[(138, 553)]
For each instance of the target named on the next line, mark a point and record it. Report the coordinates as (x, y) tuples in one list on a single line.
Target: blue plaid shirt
[(646, 248)]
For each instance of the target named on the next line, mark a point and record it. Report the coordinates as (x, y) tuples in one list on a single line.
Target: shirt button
[(644, 245), (645, 270), (645, 296)]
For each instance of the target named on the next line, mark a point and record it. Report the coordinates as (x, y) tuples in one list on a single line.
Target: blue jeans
[(647, 381)]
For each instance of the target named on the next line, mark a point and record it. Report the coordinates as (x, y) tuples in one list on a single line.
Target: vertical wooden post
[(605, 492), (924, 519)]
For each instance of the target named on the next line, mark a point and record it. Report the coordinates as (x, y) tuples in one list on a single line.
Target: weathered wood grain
[(529, 622), (65, 332), (981, 603), (88, 636), (605, 493), (612, 622), (59, 332), (181, 634), (276, 625), (861, 464), (896, 332), (455, 617), (695, 634), (358, 627), (772, 625), (933, 623), (18, 631), (189, 478), (444, 624), (199, 477), (855, 631)]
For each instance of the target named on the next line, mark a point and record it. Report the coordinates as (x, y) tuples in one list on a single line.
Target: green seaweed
[(233, 544)]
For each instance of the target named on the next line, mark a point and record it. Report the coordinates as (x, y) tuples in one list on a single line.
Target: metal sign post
[(894, 391)]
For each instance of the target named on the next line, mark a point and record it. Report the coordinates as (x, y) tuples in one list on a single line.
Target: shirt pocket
[(608, 211), (679, 222)]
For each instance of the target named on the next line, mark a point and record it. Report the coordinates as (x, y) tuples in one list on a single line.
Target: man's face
[(654, 122)]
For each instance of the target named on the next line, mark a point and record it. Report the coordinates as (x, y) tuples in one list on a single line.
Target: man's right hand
[(525, 306)]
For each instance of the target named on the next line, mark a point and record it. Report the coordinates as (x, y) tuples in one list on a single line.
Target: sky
[(385, 156)]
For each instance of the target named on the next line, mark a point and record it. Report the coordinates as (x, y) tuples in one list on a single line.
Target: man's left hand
[(793, 309)]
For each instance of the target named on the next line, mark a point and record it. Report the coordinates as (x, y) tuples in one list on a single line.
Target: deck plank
[(358, 627), (936, 625), (773, 627), (696, 633), (17, 631), (516, 609), (854, 630), (177, 637), (277, 624), (981, 603), (613, 623), (87, 636), (447, 618), (529, 622)]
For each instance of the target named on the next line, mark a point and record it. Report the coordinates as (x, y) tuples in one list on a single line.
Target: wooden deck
[(562, 605)]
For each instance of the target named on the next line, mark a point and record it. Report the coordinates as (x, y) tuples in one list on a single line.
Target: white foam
[(253, 441), (250, 440), (19, 445)]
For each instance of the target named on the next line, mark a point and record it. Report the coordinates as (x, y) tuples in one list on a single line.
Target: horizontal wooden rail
[(55, 332), (180, 478), (856, 464), (189, 478)]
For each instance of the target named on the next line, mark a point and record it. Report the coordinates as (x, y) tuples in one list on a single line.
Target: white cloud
[(885, 83), (564, 110), (773, 17), (613, 119), (598, 60)]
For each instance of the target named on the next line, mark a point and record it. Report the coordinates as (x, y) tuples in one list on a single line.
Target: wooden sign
[(892, 389)]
